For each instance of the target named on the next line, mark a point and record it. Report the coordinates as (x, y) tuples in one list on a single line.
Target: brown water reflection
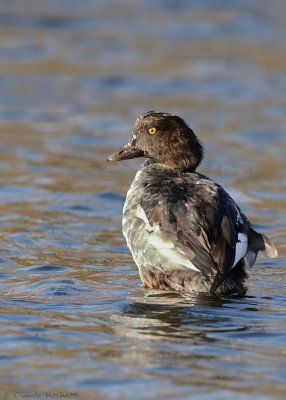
[(74, 76)]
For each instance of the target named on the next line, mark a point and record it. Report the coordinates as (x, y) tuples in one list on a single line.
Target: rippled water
[(75, 320)]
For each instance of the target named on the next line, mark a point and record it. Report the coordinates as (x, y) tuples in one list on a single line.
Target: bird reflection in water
[(156, 314)]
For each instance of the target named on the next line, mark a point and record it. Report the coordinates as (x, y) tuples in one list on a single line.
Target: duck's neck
[(187, 161)]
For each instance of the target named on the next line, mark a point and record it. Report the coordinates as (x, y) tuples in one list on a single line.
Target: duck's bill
[(126, 152)]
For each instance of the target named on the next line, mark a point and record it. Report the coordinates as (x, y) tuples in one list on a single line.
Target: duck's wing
[(234, 241), (173, 228), (180, 216), (229, 236), (198, 224)]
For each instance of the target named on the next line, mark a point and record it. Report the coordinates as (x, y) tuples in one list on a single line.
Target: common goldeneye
[(184, 230)]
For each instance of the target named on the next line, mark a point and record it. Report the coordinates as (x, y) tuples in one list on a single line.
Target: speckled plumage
[(184, 231)]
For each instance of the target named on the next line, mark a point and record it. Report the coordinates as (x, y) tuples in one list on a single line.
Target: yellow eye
[(152, 131)]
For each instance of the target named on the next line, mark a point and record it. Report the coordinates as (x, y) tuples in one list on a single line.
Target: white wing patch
[(239, 219), (164, 246), (240, 248), (242, 240), (140, 213), (168, 250)]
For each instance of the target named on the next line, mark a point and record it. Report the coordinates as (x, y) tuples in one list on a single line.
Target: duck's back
[(182, 230)]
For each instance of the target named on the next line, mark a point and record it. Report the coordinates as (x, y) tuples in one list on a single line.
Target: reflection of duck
[(152, 315), (184, 231)]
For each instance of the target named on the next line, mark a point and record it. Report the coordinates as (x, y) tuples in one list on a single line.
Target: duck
[(184, 231)]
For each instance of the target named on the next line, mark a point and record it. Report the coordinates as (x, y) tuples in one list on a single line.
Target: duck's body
[(184, 231)]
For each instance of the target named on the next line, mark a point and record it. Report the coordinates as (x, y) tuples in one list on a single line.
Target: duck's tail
[(260, 243), (270, 250)]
